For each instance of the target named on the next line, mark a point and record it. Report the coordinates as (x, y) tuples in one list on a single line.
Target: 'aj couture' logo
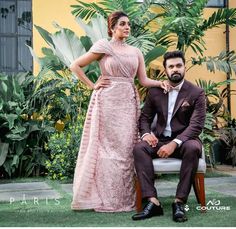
[(213, 204)]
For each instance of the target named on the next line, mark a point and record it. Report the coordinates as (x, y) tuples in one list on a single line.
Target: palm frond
[(145, 6), (87, 10), (211, 88), (129, 7), (222, 16), (196, 8), (143, 15), (145, 42), (225, 62), (164, 36), (197, 47)]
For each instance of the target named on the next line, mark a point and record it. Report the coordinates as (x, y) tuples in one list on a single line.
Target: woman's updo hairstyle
[(112, 20)]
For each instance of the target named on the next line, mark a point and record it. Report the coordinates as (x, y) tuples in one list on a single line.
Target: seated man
[(180, 119)]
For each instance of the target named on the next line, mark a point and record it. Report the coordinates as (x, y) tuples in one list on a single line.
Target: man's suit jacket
[(188, 115)]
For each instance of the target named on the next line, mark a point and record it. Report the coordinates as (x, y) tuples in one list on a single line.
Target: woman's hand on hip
[(102, 82)]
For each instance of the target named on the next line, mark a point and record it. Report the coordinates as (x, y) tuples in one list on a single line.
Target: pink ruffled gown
[(104, 174)]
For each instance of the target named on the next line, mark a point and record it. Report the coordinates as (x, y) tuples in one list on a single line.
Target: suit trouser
[(189, 152)]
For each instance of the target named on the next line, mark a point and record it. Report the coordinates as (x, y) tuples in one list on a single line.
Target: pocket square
[(185, 104)]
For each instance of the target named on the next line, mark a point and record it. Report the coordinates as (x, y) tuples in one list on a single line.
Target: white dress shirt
[(172, 96)]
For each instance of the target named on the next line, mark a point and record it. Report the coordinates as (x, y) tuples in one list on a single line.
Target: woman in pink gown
[(104, 173)]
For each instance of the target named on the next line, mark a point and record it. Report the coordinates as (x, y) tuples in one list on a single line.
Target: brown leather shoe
[(178, 212), (149, 211)]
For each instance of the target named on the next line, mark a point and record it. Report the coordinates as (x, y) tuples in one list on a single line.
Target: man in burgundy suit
[(180, 119)]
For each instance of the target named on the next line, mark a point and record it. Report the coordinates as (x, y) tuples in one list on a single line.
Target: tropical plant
[(225, 62), (225, 143), (215, 100), (180, 24), (59, 98), (22, 133), (184, 25), (208, 137), (217, 115), (64, 148), (64, 47), (140, 17)]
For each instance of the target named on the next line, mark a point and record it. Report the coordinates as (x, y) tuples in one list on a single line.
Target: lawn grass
[(53, 213), (57, 213)]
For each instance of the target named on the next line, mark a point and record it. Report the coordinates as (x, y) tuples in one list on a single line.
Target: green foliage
[(208, 137), (180, 24), (87, 10), (65, 46), (58, 97), (184, 20), (225, 62), (64, 148), (222, 16), (215, 97), (227, 140), (64, 103), (95, 29), (140, 18), (217, 113), (22, 134)]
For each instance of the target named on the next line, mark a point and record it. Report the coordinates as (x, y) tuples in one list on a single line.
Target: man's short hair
[(173, 54)]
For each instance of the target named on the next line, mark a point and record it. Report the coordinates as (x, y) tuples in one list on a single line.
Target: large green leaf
[(3, 152), (1, 103), (15, 160), (33, 54), (96, 29), (18, 130), (45, 35), (4, 87), (68, 46), (154, 53), (52, 63), (86, 41), (16, 137), (23, 78), (10, 118)]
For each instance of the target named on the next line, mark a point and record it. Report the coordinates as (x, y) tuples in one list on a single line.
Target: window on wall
[(15, 33), (215, 3)]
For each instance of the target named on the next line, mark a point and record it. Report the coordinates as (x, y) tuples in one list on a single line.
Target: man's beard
[(175, 77)]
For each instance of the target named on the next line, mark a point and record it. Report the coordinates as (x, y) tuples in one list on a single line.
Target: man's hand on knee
[(151, 139), (166, 150)]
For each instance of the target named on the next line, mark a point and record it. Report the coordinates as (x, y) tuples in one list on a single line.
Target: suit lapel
[(181, 97)]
